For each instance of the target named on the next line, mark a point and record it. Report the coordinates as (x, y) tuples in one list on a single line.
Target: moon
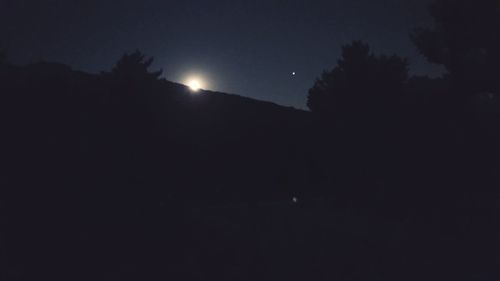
[(196, 82), (194, 85)]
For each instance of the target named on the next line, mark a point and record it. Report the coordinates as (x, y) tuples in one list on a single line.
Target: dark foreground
[(110, 180)]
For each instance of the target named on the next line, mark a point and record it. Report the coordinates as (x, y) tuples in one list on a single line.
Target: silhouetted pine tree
[(131, 95), (361, 81), (134, 69)]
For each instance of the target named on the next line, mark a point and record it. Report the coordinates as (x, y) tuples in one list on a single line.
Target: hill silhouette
[(83, 118), (88, 155)]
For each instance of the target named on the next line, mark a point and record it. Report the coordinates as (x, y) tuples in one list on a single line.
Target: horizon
[(252, 56)]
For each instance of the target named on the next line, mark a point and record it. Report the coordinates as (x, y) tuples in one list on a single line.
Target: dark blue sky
[(244, 47)]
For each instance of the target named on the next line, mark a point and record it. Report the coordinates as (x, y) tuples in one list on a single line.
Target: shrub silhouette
[(465, 40), (361, 80)]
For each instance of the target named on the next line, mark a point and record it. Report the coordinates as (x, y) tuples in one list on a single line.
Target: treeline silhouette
[(421, 147), (123, 175)]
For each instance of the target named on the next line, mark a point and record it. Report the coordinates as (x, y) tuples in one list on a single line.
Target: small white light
[(295, 200), (293, 73)]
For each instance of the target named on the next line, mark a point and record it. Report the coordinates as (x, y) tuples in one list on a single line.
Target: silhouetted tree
[(129, 101), (465, 39), (360, 80), (132, 85), (134, 68)]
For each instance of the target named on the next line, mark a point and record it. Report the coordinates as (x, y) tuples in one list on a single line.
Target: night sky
[(246, 47)]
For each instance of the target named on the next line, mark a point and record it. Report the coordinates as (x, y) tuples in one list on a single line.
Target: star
[(293, 73)]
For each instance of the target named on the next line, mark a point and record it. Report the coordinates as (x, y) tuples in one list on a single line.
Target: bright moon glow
[(194, 85), (196, 82)]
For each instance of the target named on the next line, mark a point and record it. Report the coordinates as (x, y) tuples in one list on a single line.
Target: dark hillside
[(80, 127)]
